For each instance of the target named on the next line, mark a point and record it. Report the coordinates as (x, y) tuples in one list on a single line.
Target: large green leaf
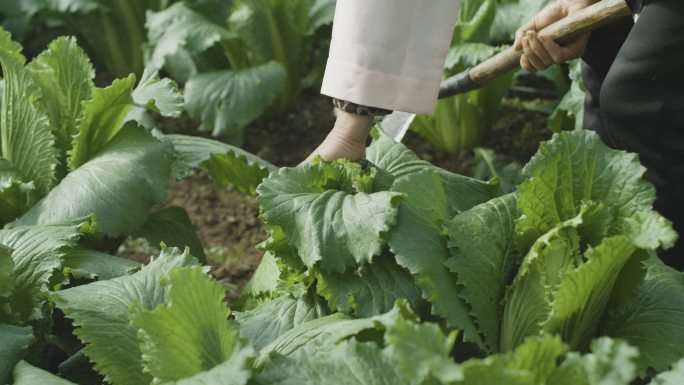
[(65, 76), (102, 120), (27, 374), (461, 122), (369, 290), (484, 258), (189, 333), (272, 29), (264, 281), (101, 311), (533, 362), (421, 248), (569, 114), (273, 318), (511, 15), (90, 264), (179, 27), (37, 251), (25, 137), (236, 371), (226, 101), (475, 20), (421, 350), (276, 31), (653, 320), (312, 351), (321, 13), (159, 95), (582, 295), (528, 299), (349, 363), (574, 168), (489, 165), (462, 56), (14, 344), (395, 158), (6, 270), (172, 227), (227, 165), (327, 331), (16, 196), (326, 212), (119, 185)]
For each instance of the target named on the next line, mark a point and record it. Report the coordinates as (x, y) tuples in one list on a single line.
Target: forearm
[(352, 127)]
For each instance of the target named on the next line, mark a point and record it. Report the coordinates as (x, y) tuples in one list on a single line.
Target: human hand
[(347, 139), (541, 52)]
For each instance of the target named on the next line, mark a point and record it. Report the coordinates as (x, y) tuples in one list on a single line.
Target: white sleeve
[(389, 53)]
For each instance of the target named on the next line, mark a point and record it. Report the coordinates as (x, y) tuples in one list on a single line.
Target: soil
[(227, 222)]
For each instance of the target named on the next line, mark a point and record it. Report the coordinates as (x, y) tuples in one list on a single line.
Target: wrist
[(352, 127)]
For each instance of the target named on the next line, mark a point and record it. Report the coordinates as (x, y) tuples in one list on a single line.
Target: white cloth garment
[(389, 53)]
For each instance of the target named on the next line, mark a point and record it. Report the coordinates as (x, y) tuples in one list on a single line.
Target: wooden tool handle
[(586, 20)]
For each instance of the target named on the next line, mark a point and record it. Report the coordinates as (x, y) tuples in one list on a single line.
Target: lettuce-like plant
[(235, 69), (113, 31), (79, 173), (460, 122)]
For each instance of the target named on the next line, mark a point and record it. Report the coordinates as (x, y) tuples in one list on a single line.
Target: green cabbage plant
[(78, 174), (113, 31), (460, 122), (234, 69)]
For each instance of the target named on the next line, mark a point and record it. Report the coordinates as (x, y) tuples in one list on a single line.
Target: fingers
[(552, 49), (541, 57), (520, 33), (535, 62), (541, 52)]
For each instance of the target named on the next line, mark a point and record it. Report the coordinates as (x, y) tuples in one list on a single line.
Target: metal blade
[(396, 124)]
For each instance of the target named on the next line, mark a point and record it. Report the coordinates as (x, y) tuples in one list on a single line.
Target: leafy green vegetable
[(227, 101), (171, 226), (90, 264), (65, 76), (462, 192), (460, 122), (484, 257), (26, 374), (227, 165), (14, 344), (190, 333), (273, 318), (327, 214), (102, 120), (569, 114), (576, 168), (37, 252), (371, 289), (101, 312), (420, 247), (25, 135), (490, 166), (349, 363), (120, 200), (159, 95), (650, 318), (266, 44)]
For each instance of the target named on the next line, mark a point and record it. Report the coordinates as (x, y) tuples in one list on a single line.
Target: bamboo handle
[(565, 30)]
